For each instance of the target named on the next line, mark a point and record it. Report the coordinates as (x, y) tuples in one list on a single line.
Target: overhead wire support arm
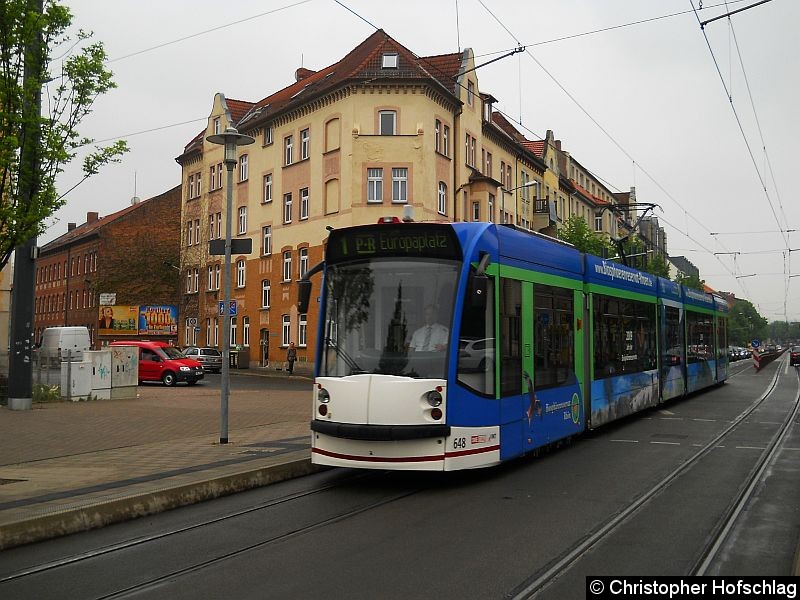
[(516, 50), (733, 12)]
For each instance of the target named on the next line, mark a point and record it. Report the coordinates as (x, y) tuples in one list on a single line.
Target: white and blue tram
[(536, 343)]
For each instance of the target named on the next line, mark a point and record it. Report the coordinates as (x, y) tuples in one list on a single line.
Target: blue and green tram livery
[(453, 346)]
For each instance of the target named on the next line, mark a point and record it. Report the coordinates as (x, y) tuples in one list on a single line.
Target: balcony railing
[(541, 206)]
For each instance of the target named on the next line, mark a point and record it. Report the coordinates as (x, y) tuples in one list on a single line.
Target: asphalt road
[(486, 533)]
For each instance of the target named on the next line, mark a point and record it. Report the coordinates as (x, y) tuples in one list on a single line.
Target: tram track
[(140, 541), (542, 579)]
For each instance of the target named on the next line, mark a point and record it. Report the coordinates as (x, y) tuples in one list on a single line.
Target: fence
[(45, 376)]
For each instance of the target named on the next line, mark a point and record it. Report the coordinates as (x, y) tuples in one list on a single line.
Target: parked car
[(159, 361), (210, 358), (794, 356), (476, 355)]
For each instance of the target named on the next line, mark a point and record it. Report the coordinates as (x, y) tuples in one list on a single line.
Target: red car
[(159, 361), (794, 356)]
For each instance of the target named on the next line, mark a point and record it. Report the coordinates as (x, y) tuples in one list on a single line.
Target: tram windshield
[(389, 316)]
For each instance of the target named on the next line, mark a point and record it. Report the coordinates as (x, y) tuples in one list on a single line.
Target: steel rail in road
[(542, 579)]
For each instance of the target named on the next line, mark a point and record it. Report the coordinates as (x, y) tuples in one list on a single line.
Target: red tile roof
[(536, 147), (238, 108)]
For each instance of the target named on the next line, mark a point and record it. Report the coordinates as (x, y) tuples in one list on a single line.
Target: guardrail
[(762, 359)]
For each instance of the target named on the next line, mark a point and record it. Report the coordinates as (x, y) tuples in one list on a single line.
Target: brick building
[(132, 253)]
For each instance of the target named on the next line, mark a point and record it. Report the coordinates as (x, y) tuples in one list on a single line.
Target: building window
[(216, 332), (302, 327), (446, 141), (374, 185), (287, 265), (268, 135), (217, 272), (400, 185), (470, 92), (242, 220), (265, 289), (211, 228), (196, 234), (189, 233), (240, 273), (303, 203), (387, 122), (286, 330), (437, 141), (442, 198), (598, 222), (287, 150), (245, 331), (233, 331), (491, 208), (303, 265), (389, 60), (208, 333), (219, 225), (476, 211), (196, 277), (244, 172), (190, 186), (489, 164), (217, 126), (188, 281), (304, 137), (287, 208), (266, 240), (267, 189), (210, 278)]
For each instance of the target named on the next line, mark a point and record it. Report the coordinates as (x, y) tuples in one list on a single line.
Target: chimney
[(71, 226), (91, 217), (302, 73)]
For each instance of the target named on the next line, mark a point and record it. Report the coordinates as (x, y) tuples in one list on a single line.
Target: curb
[(97, 515)]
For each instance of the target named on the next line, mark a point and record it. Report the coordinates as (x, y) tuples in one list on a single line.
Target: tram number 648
[(460, 442)]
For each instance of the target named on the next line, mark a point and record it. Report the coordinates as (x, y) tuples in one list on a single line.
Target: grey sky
[(653, 87)]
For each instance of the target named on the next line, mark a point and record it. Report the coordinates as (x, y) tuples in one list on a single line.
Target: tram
[(462, 345)]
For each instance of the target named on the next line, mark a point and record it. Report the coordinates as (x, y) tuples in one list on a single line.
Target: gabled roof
[(364, 62), (88, 229), (504, 124), (536, 147)]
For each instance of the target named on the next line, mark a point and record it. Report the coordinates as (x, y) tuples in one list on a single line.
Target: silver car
[(210, 358)]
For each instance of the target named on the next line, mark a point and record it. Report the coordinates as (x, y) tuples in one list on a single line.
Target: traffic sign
[(755, 343), (232, 309)]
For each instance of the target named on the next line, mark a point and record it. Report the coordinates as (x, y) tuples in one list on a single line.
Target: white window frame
[(245, 331), (216, 333), (219, 176), (390, 60), (241, 273), (217, 276), (287, 265), (491, 208), (210, 277), (375, 185), (437, 132), (287, 207), (286, 330), (303, 204), (244, 170), (189, 232), (400, 185), (208, 331), (442, 204), (242, 220), (266, 291), (233, 331), (267, 196), (217, 126), (476, 211), (470, 92), (302, 329), (188, 281), (598, 223), (268, 135), (302, 265), (288, 150), (446, 141), (387, 113), (305, 139), (266, 240), (219, 226)]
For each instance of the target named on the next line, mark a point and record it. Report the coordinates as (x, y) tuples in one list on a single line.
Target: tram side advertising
[(487, 342)]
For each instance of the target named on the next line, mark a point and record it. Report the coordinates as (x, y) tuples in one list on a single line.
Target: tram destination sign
[(406, 240)]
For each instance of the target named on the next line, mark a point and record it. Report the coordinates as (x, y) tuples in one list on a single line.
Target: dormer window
[(390, 60)]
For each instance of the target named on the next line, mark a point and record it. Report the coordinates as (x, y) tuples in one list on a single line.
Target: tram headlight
[(434, 398), (323, 395)]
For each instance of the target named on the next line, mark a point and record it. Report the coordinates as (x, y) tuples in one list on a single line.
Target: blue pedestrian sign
[(755, 343), (232, 310)]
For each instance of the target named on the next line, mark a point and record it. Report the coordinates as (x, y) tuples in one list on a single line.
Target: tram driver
[(432, 336)]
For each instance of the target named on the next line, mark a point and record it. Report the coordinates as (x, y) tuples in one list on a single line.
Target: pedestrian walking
[(291, 356)]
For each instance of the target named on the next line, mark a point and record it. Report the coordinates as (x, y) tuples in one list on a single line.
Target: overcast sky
[(638, 104)]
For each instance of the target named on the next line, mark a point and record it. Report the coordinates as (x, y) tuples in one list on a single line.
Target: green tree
[(657, 266), (577, 232), (70, 84), (746, 324), (690, 281)]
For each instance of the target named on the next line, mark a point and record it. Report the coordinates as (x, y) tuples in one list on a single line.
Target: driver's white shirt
[(438, 337)]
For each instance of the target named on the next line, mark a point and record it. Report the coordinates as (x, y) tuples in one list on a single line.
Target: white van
[(58, 343)]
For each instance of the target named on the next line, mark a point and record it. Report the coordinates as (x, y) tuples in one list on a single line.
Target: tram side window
[(699, 342), (722, 348), (624, 336), (476, 346), (672, 337), (510, 338), (553, 342)]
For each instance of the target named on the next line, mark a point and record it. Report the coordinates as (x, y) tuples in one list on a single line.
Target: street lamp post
[(503, 199), (230, 139)]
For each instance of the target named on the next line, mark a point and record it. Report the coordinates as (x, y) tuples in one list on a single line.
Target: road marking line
[(750, 448), (706, 420), (671, 418), (667, 443), (626, 441)]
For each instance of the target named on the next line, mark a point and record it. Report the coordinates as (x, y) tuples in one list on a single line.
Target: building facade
[(131, 255)]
